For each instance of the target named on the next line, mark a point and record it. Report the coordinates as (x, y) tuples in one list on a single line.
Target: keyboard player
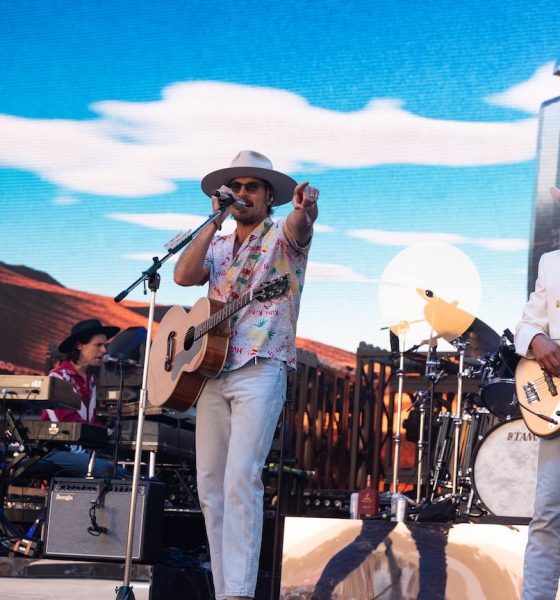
[(84, 348)]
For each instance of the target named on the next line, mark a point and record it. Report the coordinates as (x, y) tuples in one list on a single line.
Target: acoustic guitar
[(538, 394), (191, 347)]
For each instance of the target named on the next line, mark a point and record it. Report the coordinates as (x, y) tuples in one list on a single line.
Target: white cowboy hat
[(249, 163), (555, 193)]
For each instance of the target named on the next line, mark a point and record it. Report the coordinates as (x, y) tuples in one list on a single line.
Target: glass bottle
[(368, 500)]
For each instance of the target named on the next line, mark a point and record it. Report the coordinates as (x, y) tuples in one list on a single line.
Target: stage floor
[(66, 589), (48, 579), (323, 558)]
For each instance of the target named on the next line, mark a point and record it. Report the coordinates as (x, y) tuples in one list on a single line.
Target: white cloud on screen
[(381, 237), (527, 96), (320, 228), (143, 148), (168, 221), (410, 238), (316, 271), (180, 221)]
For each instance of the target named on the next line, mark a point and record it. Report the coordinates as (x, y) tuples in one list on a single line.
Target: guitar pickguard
[(184, 357)]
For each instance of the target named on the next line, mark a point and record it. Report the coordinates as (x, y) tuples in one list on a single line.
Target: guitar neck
[(221, 315)]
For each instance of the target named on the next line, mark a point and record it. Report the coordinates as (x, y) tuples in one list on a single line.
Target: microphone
[(508, 335), (107, 358), (228, 199)]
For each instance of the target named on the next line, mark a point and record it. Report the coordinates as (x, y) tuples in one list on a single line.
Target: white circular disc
[(439, 269)]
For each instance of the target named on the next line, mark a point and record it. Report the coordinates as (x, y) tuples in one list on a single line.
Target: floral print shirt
[(265, 329)]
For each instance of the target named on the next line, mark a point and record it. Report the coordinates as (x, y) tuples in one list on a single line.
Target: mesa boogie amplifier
[(74, 531)]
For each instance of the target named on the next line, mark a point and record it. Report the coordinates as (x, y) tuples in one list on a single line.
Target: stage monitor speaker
[(75, 530)]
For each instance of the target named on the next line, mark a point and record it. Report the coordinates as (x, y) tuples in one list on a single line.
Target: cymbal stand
[(420, 445), (433, 374), (151, 278), (402, 329), (460, 344)]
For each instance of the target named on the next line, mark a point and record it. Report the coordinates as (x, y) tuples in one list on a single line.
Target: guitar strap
[(241, 272)]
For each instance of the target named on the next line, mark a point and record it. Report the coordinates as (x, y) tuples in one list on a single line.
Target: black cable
[(95, 529)]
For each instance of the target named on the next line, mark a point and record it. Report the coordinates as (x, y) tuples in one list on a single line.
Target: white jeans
[(542, 556), (236, 417)]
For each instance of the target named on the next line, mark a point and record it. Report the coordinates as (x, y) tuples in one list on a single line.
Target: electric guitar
[(190, 347), (538, 394)]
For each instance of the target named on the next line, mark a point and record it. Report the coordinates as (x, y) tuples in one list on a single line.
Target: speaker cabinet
[(74, 529)]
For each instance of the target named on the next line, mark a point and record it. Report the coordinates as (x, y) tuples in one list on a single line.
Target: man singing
[(238, 411)]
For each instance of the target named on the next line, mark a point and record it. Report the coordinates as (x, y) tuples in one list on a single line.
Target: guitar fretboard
[(268, 290), (218, 317)]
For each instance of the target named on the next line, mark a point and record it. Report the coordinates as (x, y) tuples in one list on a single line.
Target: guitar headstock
[(271, 289)]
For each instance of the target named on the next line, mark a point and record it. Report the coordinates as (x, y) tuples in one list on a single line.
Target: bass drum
[(504, 474)]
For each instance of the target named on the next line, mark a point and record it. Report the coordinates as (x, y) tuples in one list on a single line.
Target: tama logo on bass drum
[(521, 436)]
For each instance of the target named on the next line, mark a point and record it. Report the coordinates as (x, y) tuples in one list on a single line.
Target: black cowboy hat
[(87, 329)]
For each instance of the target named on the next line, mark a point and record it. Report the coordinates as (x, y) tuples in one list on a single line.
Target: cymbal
[(481, 338), (444, 271), (446, 318)]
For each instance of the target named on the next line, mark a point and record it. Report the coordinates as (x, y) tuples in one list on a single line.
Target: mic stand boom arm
[(151, 276), (183, 240)]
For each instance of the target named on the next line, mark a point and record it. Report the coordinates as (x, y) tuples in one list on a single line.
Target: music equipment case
[(68, 519)]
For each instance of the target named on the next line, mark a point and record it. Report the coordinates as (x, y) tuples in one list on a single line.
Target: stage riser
[(347, 559)]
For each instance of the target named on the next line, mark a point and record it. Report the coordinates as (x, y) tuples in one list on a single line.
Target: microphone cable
[(95, 529)]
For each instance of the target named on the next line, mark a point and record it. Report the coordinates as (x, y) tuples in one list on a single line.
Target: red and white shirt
[(84, 388)]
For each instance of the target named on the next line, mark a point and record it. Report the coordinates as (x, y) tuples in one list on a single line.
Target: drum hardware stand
[(460, 344), (150, 278), (470, 500), (402, 328), (443, 446), (420, 445), (433, 374)]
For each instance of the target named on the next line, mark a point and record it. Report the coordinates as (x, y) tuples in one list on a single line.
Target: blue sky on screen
[(418, 122)]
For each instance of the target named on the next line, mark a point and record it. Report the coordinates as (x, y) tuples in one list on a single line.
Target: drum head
[(505, 470)]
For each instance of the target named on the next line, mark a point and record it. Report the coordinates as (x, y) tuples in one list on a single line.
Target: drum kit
[(478, 451)]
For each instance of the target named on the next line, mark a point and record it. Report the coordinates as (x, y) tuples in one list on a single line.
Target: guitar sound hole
[(189, 339)]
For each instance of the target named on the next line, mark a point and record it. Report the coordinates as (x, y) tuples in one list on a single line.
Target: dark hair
[(269, 192), (74, 352)]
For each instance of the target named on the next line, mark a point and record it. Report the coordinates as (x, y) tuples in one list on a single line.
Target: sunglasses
[(251, 186)]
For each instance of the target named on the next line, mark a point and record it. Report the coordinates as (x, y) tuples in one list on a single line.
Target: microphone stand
[(151, 276)]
